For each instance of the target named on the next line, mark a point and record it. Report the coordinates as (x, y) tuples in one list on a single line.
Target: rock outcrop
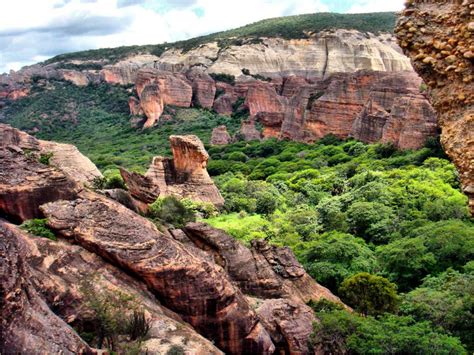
[(156, 88), (67, 276), (197, 275), (197, 290), (439, 38), (220, 136), (27, 324), (185, 175)]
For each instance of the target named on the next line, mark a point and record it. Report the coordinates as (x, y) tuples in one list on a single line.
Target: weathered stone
[(195, 289), (204, 88), (185, 175), (290, 323), (62, 272), (452, 91), (140, 187), (263, 271), (248, 130), (25, 184), (220, 136), (27, 325)]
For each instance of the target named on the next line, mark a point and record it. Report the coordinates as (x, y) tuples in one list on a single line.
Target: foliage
[(175, 350), (341, 332), (447, 300), (334, 256), (39, 228), (226, 78), (137, 325), (369, 294), (171, 211), (429, 249), (200, 209), (44, 158)]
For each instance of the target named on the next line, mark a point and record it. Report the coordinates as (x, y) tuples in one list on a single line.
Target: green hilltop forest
[(388, 231), (289, 27)]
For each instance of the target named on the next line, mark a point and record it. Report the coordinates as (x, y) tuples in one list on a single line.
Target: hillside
[(280, 188), (285, 27)]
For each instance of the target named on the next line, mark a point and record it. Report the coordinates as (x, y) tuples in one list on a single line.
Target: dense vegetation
[(387, 231), (287, 27)]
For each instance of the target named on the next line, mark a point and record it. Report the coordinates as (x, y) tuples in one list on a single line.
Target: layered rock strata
[(27, 324), (185, 175), (439, 38), (220, 136)]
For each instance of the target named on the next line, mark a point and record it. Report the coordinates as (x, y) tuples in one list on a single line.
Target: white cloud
[(362, 6), (30, 30)]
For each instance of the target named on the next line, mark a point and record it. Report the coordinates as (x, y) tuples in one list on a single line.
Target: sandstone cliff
[(439, 37)]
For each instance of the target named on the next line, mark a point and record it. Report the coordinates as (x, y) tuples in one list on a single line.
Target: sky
[(34, 30)]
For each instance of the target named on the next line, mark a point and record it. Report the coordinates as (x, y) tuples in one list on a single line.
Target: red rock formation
[(204, 88), (140, 187), (185, 175), (289, 323), (439, 38), (157, 88), (197, 290), (59, 271), (263, 271), (220, 136), (134, 105), (27, 325), (25, 184), (248, 131), (224, 104)]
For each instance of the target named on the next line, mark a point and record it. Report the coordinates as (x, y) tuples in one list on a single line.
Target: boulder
[(220, 136), (140, 187), (290, 324), (25, 184), (441, 52), (248, 130)]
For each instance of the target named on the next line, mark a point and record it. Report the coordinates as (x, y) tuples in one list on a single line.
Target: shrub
[(175, 350), (39, 228), (137, 325), (170, 210), (44, 158), (226, 78), (369, 294)]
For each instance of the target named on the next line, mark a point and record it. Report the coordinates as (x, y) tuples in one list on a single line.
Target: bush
[(44, 158), (333, 257), (369, 294), (226, 78), (340, 332), (171, 211), (372, 221), (39, 228)]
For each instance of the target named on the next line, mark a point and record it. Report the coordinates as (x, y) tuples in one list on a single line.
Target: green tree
[(171, 211), (447, 300), (372, 221), (334, 256), (369, 294)]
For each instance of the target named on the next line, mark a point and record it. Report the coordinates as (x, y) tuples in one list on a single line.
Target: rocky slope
[(439, 37), (342, 81), (245, 300)]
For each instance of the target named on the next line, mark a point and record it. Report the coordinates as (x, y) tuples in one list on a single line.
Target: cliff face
[(439, 38), (246, 300), (340, 82)]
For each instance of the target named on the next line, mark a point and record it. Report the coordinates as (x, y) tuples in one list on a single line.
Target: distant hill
[(288, 27)]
